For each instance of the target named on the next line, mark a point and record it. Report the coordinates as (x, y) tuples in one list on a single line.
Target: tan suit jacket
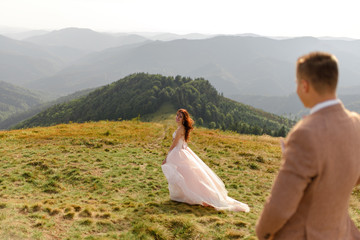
[(321, 165)]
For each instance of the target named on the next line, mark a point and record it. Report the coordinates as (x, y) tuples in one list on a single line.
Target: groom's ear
[(305, 85)]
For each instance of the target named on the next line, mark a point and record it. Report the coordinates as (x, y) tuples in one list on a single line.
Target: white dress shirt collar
[(324, 104)]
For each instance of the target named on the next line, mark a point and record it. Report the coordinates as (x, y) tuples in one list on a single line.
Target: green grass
[(163, 114), (104, 181)]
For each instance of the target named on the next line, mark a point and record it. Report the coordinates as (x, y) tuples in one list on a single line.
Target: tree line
[(142, 93)]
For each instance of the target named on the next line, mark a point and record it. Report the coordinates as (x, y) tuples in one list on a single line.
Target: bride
[(190, 179)]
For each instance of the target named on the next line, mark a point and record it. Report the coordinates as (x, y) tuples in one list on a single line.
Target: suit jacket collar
[(324, 104), (329, 110)]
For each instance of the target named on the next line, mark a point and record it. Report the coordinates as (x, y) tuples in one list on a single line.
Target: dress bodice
[(182, 143)]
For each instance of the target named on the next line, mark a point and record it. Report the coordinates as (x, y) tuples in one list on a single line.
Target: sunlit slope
[(103, 180)]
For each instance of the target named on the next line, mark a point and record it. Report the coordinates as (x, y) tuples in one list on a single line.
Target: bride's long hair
[(187, 123)]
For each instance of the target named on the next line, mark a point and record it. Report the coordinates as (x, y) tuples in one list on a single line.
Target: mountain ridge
[(84, 39), (22, 62), (251, 65)]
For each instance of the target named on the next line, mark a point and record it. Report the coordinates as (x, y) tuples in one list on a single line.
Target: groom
[(321, 162)]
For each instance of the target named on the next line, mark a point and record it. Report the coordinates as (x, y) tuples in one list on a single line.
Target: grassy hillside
[(104, 181)]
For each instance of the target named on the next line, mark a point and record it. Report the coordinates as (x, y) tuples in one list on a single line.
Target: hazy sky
[(265, 17)]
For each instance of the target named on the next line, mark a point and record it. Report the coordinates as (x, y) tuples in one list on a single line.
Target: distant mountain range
[(257, 70), (41, 56), (84, 39), (22, 62), (233, 64), (73, 59), (22, 34)]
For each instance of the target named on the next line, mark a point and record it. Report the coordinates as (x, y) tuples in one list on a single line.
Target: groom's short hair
[(320, 69)]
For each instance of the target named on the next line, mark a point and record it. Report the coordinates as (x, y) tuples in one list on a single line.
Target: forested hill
[(142, 94)]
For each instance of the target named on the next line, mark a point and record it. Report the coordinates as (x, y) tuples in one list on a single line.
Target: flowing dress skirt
[(192, 181)]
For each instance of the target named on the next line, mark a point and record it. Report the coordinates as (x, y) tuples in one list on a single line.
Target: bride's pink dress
[(193, 182)]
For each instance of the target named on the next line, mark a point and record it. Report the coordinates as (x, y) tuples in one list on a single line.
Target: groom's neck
[(319, 98)]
